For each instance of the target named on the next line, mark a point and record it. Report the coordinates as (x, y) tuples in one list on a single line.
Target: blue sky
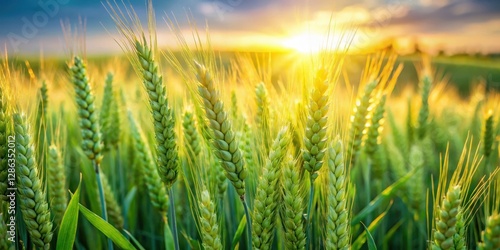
[(28, 26)]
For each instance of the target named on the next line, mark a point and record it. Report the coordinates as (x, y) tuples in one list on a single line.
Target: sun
[(312, 43), (304, 43)]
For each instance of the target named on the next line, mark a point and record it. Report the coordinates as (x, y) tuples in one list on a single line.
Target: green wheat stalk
[(337, 226), (267, 196), (291, 211), (57, 184), (31, 196)]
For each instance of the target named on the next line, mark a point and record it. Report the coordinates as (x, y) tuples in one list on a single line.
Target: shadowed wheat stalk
[(57, 184), (262, 118), (109, 116), (156, 189), (143, 59), (4, 242), (268, 197)]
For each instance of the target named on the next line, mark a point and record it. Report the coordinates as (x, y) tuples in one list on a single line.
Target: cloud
[(265, 19)]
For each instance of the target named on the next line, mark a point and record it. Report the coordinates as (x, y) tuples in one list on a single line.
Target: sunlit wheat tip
[(358, 120)]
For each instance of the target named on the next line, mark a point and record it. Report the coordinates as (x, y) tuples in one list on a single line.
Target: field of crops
[(193, 149)]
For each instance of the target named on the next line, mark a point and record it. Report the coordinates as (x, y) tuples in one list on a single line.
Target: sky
[(31, 26)]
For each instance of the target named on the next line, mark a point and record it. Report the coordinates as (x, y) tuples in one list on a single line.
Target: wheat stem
[(173, 219), (249, 224), (309, 213), (104, 213)]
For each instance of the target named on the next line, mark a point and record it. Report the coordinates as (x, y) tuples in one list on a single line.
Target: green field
[(198, 149)]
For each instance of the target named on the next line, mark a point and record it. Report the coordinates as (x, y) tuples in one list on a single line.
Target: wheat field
[(196, 149)]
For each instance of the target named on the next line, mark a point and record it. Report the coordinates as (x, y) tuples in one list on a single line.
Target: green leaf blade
[(67, 232), (107, 229)]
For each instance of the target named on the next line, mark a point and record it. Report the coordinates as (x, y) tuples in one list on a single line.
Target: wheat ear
[(358, 121), (447, 219), (267, 196), (156, 189), (416, 189), (235, 113), (491, 234), (208, 223), (292, 208), (57, 184), (247, 147), (423, 114), (89, 126), (32, 198), (104, 118), (41, 120), (4, 242), (315, 140), (373, 132), (372, 141), (459, 237), (163, 116), (109, 116), (337, 227), (489, 134), (191, 136), (92, 145), (263, 115), (224, 140)]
